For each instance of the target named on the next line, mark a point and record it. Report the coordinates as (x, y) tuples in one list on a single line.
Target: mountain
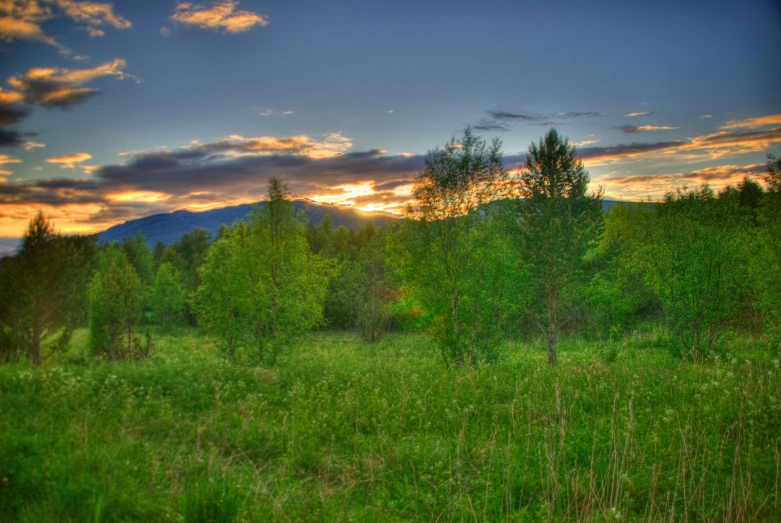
[(169, 227)]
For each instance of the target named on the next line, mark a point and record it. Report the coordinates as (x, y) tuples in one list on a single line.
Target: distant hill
[(169, 227)]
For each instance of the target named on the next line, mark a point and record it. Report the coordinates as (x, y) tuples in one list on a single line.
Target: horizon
[(114, 112)]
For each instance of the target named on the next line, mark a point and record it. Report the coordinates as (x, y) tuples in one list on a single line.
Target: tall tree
[(140, 257), (40, 290), (116, 304), (261, 285), (167, 297), (187, 255), (558, 221), (442, 251)]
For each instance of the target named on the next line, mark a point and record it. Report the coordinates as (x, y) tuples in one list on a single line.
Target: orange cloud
[(753, 123), (93, 16), (221, 16), (705, 147), (656, 185), (333, 144), (70, 161), (22, 19), (57, 86), (4, 159), (640, 113)]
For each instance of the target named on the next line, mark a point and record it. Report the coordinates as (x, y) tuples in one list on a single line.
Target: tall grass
[(338, 430)]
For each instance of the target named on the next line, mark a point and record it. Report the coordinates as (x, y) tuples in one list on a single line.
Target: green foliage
[(687, 252), (116, 303), (261, 285), (449, 256), (167, 297), (140, 258), (41, 292), (557, 223), (766, 264)]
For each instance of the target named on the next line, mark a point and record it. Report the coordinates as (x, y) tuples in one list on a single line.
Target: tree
[(167, 298), (768, 262), (116, 304), (443, 253), (261, 285), (557, 223), (365, 283), (40, 293), (187, 255), (140, 257), (688, 251)]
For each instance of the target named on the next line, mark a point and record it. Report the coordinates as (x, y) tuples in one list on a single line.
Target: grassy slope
[(338, 430)]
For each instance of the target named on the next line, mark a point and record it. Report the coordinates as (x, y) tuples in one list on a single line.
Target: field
[(338, 430)]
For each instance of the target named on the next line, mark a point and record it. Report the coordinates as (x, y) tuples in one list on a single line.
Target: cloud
[(576, 114), (631, 129), (10, 138), (10, 115), (69, 161), (645, 185), (93, 16), (220, 16), (705, 116), (272, 112), (236, 170), (332, 144), (229, 171), (22, 19), (753, 123), (705, 147), (504, 115), (489, 126), (59, 87), (499, 120), (639, 113), (164, 31), (585, 142), (30, 145), (6, 159)]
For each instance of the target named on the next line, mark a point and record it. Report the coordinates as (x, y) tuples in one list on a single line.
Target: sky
[(110, 112)]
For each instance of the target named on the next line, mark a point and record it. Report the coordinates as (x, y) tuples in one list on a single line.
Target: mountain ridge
[(169, 227)]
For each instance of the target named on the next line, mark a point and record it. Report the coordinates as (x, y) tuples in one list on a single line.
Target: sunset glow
[(118, 111)]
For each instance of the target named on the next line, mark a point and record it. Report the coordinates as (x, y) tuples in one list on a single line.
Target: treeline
[(482, 256)]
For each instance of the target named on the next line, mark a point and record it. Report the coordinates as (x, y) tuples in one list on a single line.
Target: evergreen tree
[(116, 304), (557, 222), (40, 291)]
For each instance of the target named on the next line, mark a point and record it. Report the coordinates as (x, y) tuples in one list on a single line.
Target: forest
[(508, 351)]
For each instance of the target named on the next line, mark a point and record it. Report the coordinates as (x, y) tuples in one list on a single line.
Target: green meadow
[(340, 430)]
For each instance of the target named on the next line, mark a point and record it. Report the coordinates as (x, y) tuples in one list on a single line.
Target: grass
[(338, 430)]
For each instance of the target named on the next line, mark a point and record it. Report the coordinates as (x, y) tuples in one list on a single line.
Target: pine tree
[(557, 222)]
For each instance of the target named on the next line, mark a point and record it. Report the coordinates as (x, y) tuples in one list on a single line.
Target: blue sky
[(114, 111)]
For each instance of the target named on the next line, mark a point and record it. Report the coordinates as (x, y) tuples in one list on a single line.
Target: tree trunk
[(36, 347), (552, 338), (553, 332)]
